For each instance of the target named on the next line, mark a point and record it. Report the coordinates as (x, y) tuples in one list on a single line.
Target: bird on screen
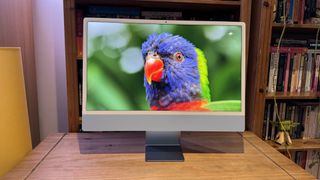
[(175, 74)]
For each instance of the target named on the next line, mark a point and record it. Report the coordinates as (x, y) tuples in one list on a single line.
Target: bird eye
[(179, 56)]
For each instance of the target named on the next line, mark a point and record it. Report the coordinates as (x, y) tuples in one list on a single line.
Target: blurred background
[(115, 63)]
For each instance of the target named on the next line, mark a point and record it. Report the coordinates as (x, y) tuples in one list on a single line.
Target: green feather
[(224, 106), (203, 71)]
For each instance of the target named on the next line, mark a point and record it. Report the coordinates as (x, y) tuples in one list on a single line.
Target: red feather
[(184, 106)]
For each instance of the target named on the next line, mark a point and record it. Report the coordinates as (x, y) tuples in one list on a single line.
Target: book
[(313, 121), (316, 74), (304, 73), (297, 11), (308, 72), (279, 12), (303, 159), (272, 71), (306, 122), (292, 42), (301, 11), (290, 8), (274, 120), (286, 73), (281, 71), (290, 72), (113, 12), (267, 121), (312, 164), (301, 68), (296, 63), (161, 15)]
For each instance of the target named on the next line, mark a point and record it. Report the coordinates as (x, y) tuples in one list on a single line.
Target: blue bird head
[(171, 73)]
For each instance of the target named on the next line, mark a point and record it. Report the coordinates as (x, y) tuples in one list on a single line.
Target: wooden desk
[(121, 156)]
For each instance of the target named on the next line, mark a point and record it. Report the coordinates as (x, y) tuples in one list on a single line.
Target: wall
[(48, 24), (16, 31)]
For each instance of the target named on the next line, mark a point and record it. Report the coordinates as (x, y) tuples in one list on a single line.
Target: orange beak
[(153, 68)]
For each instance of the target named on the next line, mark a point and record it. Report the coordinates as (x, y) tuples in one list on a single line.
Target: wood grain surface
[(34, 158), (120, 155)]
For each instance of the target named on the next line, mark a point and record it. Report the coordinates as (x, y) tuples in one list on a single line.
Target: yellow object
[(15, 138)]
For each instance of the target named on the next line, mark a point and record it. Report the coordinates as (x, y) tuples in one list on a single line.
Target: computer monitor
[(163, 77)]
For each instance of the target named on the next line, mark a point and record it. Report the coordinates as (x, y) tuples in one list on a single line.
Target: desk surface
[(120, 155)]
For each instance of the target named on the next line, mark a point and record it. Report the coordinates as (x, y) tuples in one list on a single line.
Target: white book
[(273, 72)]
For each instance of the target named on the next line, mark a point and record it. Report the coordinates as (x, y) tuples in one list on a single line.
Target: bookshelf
[(296, 26), (298, 145), (292, 96), (239, 9), (264, 32)]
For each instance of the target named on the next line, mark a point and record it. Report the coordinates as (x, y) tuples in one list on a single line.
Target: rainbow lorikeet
[(175, 74)]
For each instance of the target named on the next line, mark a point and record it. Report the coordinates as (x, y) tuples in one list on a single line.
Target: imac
[(163, 77)]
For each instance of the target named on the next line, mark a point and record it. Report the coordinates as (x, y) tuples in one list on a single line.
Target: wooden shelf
[(305, 95), (139, 2), (297, 26), (297, 145)]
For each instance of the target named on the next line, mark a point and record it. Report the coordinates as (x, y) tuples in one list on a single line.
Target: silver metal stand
[(163, 146)]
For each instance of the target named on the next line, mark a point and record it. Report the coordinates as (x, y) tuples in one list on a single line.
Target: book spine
[(268, 121), (316, 74), (296, 11), (296, 63), (317, 122), (308, 73), (290, 14), (301, 67), (113, 12), (304, 72), (301, 13), (289, 49), (274, 120), (306, 122), (281, 71), (279, 11), (161, 15), (313, 121), (271, 72), (287, 69), (290, 72), (293, 120), (275, 74)]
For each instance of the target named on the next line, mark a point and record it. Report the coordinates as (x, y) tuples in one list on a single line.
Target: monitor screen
[(149, 67)]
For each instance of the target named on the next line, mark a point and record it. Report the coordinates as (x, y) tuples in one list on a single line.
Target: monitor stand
[(163, 146)]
